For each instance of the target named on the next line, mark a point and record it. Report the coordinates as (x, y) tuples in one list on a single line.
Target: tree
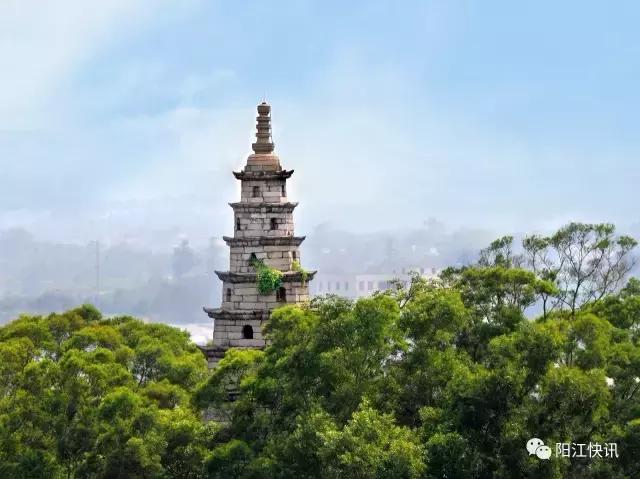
[(371, 445), (585, 261), (84, 396), (500, 253)]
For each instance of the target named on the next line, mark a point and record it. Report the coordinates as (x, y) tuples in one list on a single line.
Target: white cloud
[(43, 43), (200, 333), (197, 149)]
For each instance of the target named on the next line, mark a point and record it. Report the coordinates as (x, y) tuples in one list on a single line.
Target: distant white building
[(361, 285)]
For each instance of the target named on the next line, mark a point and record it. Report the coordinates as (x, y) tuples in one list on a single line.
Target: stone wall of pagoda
[(279, 257), (245, 297), (263, 191), (258, 220)]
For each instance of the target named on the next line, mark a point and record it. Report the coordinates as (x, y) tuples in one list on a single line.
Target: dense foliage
[(431, 382), (443, 378), (446, 378), (83, 396)]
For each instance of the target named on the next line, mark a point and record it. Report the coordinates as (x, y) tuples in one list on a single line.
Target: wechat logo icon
[(536, 446)]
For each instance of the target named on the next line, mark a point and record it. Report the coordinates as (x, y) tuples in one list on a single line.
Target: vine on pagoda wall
[(268, 279)]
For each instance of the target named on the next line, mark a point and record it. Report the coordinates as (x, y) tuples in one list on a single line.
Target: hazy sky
[(128, 115)]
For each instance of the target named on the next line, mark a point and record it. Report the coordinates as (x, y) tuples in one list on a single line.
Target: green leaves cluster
[(436, 380), (268, 279), (83, 396)]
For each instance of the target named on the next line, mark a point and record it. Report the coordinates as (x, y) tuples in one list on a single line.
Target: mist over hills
[(166, 275), (170, 282)]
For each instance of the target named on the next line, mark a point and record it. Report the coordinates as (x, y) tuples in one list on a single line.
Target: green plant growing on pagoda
[(268, 279), (296, 266)]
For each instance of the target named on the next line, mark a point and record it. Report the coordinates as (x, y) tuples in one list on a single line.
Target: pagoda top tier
[(263, 159), (264, 142)]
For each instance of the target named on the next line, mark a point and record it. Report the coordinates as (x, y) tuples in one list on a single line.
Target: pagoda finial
[(263, 143)]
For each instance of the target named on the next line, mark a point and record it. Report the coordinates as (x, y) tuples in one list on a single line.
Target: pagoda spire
[(264, 143)]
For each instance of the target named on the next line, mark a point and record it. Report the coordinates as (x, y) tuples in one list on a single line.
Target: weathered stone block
[(255, 343)]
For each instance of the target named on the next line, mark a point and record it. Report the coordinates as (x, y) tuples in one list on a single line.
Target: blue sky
[(126, 116)]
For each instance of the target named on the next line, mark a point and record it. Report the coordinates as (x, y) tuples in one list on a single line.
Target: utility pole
[(97, 301)]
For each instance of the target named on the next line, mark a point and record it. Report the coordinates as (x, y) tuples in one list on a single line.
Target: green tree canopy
[(444, 379), (85, 396)]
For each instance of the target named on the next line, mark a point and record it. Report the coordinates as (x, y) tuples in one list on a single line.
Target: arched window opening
[(252, 259), (256, 192), (228, 295), (284, 190), (237, 224), (274, 224), (247, 332), (294, 255), (281, 294)]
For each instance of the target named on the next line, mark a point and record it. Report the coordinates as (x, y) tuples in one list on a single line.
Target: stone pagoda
[(263, 235)]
